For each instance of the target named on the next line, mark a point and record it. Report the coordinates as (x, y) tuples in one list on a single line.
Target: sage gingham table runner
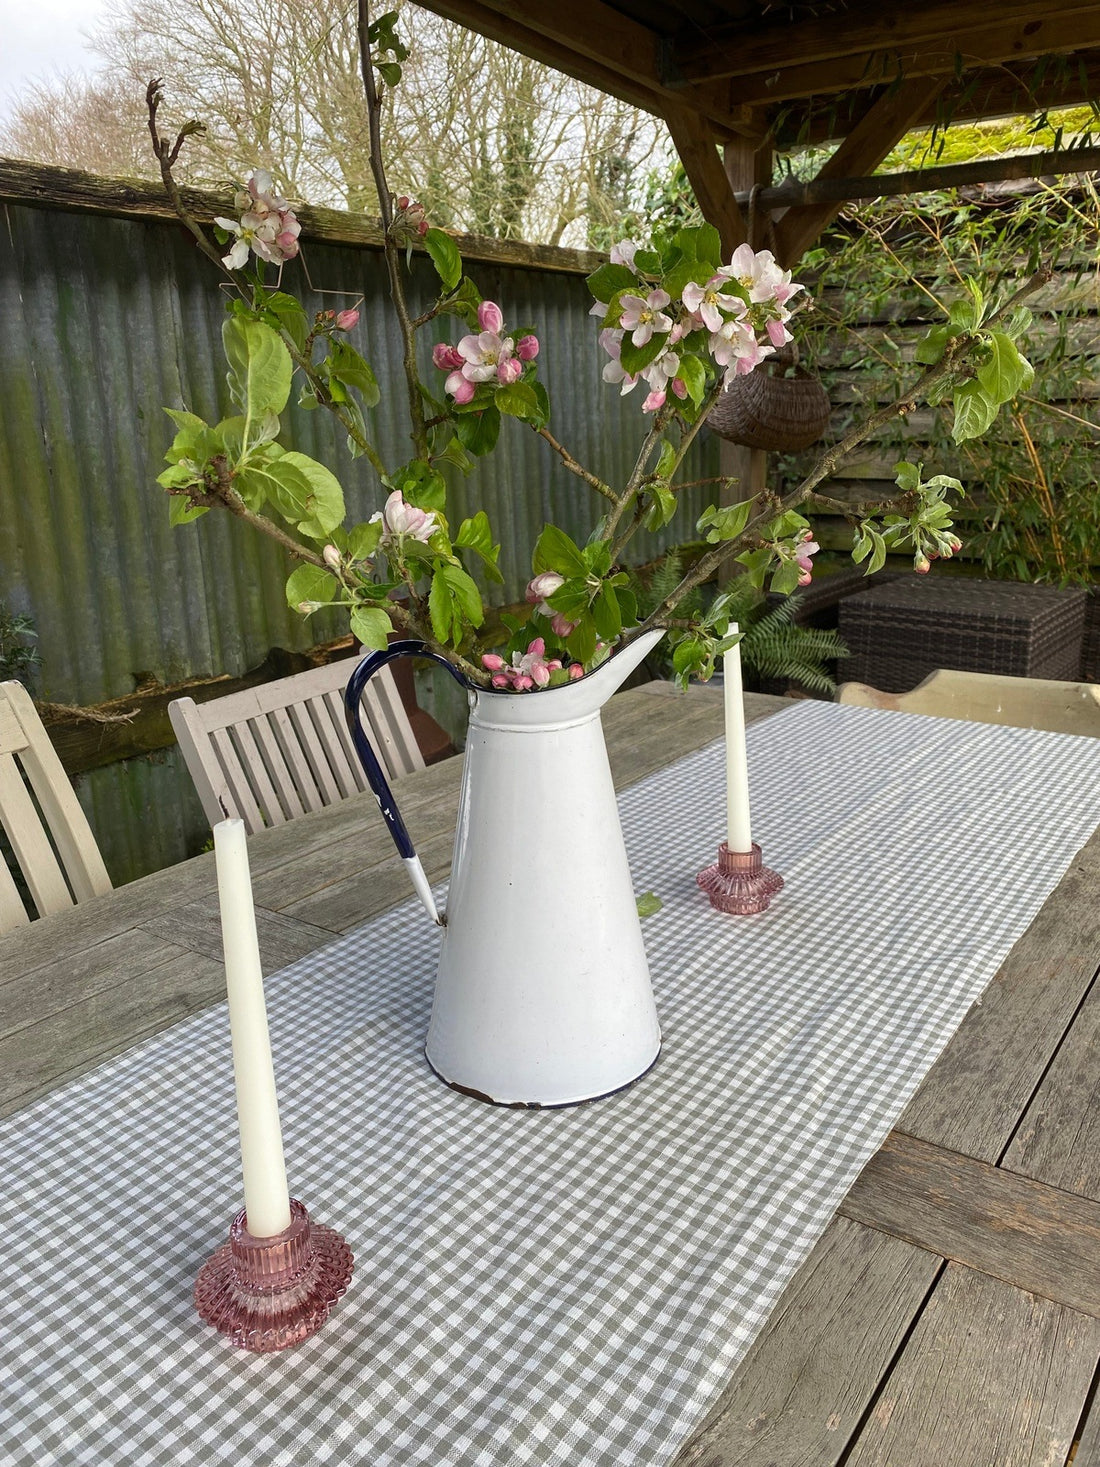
[(549, 1287)]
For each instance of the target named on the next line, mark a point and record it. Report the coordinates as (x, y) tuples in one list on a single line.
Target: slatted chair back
[(46, 829), (978, 697), (276, 751)]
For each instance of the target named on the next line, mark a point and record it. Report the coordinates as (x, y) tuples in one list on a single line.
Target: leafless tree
[(489, 140)]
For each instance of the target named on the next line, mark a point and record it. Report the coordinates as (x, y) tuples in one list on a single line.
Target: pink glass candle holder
[(739, 882), (270, 1293)]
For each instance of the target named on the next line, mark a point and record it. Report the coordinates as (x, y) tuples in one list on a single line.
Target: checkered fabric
[(548, 1287)]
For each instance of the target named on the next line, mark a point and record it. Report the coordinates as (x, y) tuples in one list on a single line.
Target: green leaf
[(694, 377), (1006, 372), (932, 347), (687, 272), (634, 358), (421, 485), (303, 491), (663, 507), (478, 431), (181, 511), (785, 578), (608, 618), (445, 258), (517, 400), (347, 366), (474, 534), (907, 476), (184, 419), (363, 539), (389, 71), (542, 404), (608, 280), (371, 626), (725, 523), (974, 411), (454, 453), (878, 559), (649, 903), (259, 366), (453, 602), (581, 641), (309, 583), (290, 316), (555, 551)]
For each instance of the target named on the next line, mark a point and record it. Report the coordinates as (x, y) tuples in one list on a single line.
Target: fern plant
[(18, 657), (773, 645)]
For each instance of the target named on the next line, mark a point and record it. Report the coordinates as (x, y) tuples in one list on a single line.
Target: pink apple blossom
[(490, 317), (922, 565), (347, 320), (482, 354), (708, 303), (623, 253), (267, 227), (643, 316), (509, 371), (527, 348), (804, 551), (527, 670), (401, 520), (759, 276), (654, 401)]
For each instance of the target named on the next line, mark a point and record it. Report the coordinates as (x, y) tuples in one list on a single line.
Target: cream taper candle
[(738, 824), (266, 1195)]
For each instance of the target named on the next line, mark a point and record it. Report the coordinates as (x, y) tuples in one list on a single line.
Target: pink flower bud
[(403, 201), (544, 585), (509, 371), (347, 320), (460, 387), (331, 556), (536, 648), (575, 671), (541, 674), (498, 680), (522, 683), (527, 348), (422, 228), (490, 317), (492, 661), (654, 401), (447, 358), (561, 625), (922, 565)]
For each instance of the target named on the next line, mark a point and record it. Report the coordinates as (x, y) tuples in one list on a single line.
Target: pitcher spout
[(615, 671)]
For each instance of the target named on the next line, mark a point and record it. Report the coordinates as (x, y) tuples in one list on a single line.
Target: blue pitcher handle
[(376, 779)]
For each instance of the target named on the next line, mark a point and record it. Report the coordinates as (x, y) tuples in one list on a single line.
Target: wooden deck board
[(1058, 1139), (810, 1374), (991, 1377), (1010, 1227), (973, 1097)]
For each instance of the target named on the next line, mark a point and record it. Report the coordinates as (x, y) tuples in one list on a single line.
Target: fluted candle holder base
[(739, 882), (270, 1293)]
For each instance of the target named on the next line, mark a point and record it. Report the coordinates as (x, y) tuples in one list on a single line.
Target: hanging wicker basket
[(767, 410)]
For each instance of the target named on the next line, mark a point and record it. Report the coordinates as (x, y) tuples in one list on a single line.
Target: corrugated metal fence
[(107, 320)]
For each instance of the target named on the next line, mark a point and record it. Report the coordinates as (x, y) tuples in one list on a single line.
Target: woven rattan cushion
[(900, 632)]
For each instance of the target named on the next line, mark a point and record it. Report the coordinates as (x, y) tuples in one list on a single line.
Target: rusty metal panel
[(104, 322)]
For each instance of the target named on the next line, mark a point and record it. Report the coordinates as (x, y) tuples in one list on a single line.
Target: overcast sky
[(40, 37)]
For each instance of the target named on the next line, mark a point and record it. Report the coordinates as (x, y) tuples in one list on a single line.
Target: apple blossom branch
[(955, 365)]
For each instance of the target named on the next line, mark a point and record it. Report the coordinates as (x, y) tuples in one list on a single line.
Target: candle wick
[(225, 812)]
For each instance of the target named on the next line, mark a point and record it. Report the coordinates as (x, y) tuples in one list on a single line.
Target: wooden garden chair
[(980, 697), (281, 749), (47, 831)]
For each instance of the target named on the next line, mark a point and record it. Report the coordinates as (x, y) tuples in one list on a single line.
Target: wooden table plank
[(991, 1377), (973, 1097), (802, 1390), (197, 926), (1001, 1224), (33, 1062), (1058, 1139)]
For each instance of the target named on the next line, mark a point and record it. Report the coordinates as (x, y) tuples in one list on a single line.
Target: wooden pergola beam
[(794, 194), (743, 49), (994, 44), (861, 151), (597, 45), (698, 152), (976, 95)]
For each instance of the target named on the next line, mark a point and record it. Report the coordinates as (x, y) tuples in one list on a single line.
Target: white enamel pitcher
[(542, 994)]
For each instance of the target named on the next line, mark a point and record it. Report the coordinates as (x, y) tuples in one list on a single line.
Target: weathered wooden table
[(949, 1316)]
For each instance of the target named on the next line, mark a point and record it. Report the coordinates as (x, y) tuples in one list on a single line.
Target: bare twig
[(575, 468)]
